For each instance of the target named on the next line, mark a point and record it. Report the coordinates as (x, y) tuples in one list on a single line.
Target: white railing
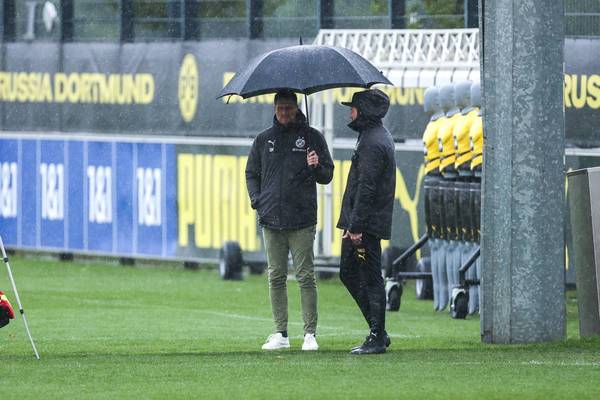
[(413, 57), (409, 48)]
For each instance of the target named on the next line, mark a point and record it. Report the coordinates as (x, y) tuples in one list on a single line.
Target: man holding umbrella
[(366, 215), (287, 159), (284, 165)]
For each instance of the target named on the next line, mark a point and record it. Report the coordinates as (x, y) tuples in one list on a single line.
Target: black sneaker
[(373, 345), (386, 341)]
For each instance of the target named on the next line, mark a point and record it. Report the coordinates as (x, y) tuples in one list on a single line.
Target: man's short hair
[(286, 94)]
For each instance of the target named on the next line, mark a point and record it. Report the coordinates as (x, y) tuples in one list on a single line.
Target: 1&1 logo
[(188, 88)]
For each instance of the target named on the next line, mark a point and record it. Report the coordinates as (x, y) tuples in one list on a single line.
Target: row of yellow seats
[(453, 138)]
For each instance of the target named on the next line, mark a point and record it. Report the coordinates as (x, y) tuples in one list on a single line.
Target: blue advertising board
[(95, 196), (159, 198), (9, 184)]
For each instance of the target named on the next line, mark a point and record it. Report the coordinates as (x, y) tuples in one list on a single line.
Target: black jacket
[(281, 185), (370, 190)]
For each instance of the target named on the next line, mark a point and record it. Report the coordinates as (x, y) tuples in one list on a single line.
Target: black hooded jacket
[(281, 185), (368, 200)]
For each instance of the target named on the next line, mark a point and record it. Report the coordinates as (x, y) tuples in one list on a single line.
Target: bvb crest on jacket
[(300, 142)]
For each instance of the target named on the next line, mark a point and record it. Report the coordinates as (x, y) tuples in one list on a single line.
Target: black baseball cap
[(371, 102)]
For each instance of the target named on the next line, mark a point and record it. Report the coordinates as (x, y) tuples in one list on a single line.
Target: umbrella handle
[(306, 106), (307, 119)]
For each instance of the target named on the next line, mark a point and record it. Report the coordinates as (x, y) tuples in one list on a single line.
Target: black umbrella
[(304, 69)]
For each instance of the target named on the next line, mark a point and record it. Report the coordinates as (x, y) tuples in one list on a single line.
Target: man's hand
[(312, 158), (255, 202), (356, 238)]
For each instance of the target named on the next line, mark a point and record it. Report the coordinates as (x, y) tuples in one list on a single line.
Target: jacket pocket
[(260, 204)]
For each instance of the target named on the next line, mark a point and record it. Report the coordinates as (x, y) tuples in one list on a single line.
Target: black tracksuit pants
[(362, 277)]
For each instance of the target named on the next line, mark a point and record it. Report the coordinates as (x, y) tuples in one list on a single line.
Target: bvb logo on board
[(188, 87)]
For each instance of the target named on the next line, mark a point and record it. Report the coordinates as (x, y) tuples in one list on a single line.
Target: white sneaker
[(310, 342), (276, 341)]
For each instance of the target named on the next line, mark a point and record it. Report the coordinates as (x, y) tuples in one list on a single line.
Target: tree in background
[(435, 14)]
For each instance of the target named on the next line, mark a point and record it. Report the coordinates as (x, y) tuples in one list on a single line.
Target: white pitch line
[(563, 363), (345, 331), (339, 330)]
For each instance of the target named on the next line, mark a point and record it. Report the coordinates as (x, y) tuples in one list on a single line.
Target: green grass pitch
[(110, 332)]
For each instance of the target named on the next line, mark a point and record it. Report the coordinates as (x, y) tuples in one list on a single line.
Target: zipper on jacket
[(281, 183)]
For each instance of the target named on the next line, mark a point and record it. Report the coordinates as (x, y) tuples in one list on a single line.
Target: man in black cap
[(366, 215)]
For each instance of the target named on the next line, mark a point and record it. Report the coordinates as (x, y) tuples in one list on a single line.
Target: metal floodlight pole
[(14, 286)]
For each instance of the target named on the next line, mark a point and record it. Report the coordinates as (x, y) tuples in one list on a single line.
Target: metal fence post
[(471, 13), (9, 13), (66, 21), (325, 12), (397, 10), (188, 13), (254, 11), (126, 21)]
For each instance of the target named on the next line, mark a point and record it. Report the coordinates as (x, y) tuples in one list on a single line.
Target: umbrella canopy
[(304, 69)]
